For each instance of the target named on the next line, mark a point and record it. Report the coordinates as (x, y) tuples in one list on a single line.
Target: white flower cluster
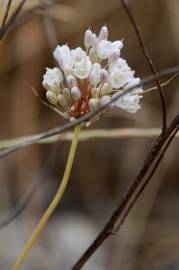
[(89, 78)]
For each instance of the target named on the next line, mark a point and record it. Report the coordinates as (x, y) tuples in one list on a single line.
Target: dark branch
[(149, 61), (12, 19), (137, 184), (29, 14), (6, 13), (145, 183), (87, 117)]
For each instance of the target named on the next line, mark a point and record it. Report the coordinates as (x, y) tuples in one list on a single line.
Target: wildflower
[(87, 79)]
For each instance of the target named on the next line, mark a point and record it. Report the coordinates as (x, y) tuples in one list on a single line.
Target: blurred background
[(103, 168)]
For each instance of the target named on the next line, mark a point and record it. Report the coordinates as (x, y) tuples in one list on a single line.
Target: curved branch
[(149, 61), (137, 183)]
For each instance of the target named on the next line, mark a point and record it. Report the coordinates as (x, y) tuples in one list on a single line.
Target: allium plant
[(85, 80)]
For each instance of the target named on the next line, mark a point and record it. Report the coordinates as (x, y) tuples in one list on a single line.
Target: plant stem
[(54, 202)]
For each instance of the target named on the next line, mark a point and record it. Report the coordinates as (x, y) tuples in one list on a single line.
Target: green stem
[(54, 202)]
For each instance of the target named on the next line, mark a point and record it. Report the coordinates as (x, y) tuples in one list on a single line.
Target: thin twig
[(87, 117), (149, 60), (12, 19), (6, 13), (165, 84), (145, 183), (29, 14)]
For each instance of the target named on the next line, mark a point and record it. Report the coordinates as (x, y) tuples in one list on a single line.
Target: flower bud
[(104, 75), (103, 35), (105, 89), (95, 92), (75, 92), (87, 40), (66, 95), (93, 104), (71, 81), (62, 101), (104, 100), (68, 70), (52, 98), (93, 56), (94, 41)]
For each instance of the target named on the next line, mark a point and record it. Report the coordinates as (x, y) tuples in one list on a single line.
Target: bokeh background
[(103, 167)]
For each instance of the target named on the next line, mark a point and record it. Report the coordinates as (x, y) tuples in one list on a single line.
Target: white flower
[(52, 79), (91, 78), (117, 45), (119, 78), (78, 55), (106, 48), (132, 83), (82, 69), (114, 56), (64, 57), (119, 63), (128, 102)]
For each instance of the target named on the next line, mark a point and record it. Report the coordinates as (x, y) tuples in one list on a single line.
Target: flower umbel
[(89, 78)]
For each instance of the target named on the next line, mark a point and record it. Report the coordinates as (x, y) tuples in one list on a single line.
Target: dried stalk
[(149, 61)]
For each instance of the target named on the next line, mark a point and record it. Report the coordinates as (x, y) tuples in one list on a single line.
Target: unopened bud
[(94, 41), (103, 35), (105, 89), (93, 56), (66, 95), (93, 104), (104, 75), (67, 71), (88, 38), (75, 92), (62, 101), (95, 92), (104, 100), (52, 98), (71, 81)]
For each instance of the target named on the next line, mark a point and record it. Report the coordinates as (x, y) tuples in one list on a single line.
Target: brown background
[(103, 168)]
